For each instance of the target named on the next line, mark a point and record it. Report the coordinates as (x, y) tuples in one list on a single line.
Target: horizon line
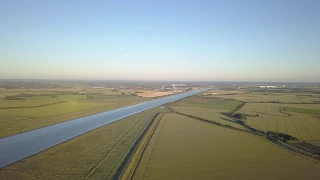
[(131, 80)]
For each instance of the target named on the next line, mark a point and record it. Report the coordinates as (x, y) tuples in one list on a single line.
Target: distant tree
[(239, 116), (13, 98), (90, 97)]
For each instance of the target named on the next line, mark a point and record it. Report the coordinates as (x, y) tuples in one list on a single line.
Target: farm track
[(120, 140)]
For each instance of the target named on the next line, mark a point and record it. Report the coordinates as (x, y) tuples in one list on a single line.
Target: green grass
[(213, 103), (216, 115), (261, 97), (58, 98), (301, 110), (23, 103), (298, 124), (188, 149), (16, 120), (51, 110), (75, 158)]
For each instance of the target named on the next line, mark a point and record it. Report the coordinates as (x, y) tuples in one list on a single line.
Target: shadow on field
[(228, 120), (227, 114), (226, 117)]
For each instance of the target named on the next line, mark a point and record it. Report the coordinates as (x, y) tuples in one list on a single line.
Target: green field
[(38, 111), (20, 104), (301, 110), (55, 109), (284, 118), (205, 102), (95, 155), (245, 96), (215, 115), (184, 148)]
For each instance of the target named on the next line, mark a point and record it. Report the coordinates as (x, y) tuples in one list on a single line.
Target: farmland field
[(285, 118), (95, 155), (37, 109), (184, 148), (215, 115), (153, 94), (205, 102), (20, 104), (242, 95)]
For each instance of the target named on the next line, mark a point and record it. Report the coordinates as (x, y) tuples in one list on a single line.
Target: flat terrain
[(215, 115), (292, 119), (242, 95), (152, 94), (184, 148), (20, 146), (213, 109), (207, 102), (35, 108), (94, 155)]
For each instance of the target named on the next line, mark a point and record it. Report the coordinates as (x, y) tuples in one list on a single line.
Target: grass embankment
[(189, 149), (95, 155), (131, 167)]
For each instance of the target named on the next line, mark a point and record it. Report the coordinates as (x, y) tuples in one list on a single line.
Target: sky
[(198, 40)]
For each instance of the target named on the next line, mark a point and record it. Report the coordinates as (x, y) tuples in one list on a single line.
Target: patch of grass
[(301, 110), (16, 120), (55, 109), (284, 118), (13, 104), (214, 103), (216, 115), (100, 152), (57, 97), (189, 149)]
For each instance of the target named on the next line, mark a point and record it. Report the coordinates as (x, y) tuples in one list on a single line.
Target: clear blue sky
[(240, 40)]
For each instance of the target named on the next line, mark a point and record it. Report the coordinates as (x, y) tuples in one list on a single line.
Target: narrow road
[(17, 147)]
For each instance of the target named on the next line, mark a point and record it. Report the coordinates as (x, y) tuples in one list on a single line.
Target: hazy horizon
[(241, 41)]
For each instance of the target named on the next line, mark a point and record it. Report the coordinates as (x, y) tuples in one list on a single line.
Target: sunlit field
[(184, 148)]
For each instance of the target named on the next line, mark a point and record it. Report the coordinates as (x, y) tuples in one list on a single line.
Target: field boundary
[(135, 157), (35, 106)]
